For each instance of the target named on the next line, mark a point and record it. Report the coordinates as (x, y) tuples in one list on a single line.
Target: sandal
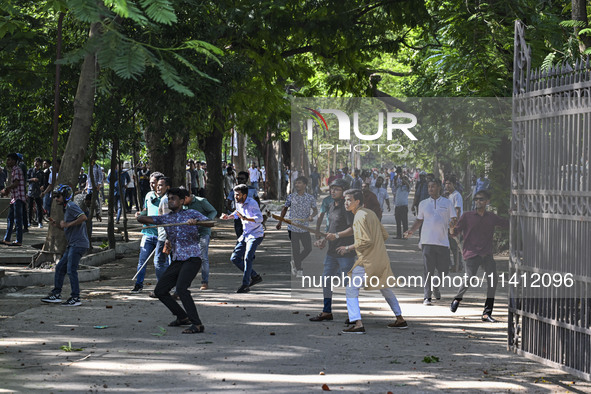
[(179, 322), (194, 329)]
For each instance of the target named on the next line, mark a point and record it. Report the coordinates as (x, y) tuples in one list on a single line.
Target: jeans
[(243, 256), (352, 293), (333, 266), (179, 274), (39, 202), (47, 204), (149, 244), (435, 257), (255, 185), (204, 248), (130, 199), (456, 252), (15, 219), (118, 205), (490, 267), (401, 214), (68, 264), (298, 256)]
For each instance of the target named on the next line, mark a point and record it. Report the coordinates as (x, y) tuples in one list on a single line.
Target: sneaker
[(254, 280), (40, 225), (243, 289), (52, 298), (400, 324), (437, 293), (353, 330), (454, 305), (137, 288), (152, 295), (293, 268), (299, 273), (427, 301), (72, 302), (204, 286)]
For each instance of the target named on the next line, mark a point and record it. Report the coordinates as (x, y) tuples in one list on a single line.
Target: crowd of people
[(177, 229)]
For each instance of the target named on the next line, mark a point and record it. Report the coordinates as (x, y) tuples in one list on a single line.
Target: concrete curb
[(45, 277), (87, 272)]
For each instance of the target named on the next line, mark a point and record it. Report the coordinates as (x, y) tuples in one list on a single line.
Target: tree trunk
[(211, 145), (168, 158), (579, 13), (112, 205), (241, 160), (55, 242), (271, 168)]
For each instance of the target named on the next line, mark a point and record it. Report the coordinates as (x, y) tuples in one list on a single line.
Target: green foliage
[(69, 348)]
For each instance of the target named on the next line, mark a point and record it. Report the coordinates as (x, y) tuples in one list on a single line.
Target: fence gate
[(550, 237)]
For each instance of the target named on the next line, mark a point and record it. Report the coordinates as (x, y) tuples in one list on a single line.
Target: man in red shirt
[(16, 187), (478, 228)]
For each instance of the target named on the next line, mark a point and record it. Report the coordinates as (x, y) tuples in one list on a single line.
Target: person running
[(186, 260), (247, 210), (340, 232), (372, 262), (75, 230), (203, 206), (478, 228), (302, 209)]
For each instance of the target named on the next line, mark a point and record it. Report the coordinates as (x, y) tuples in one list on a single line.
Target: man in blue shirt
[(75, 231), (150, 240), (186, 260), (247, 210)]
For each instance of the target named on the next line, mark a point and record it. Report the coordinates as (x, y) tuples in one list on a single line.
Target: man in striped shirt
[(16, 187)]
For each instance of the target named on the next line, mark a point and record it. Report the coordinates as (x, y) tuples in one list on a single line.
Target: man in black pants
[(186, 260)]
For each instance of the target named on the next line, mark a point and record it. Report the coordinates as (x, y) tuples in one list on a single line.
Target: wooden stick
[(309, 229), (199, 223)]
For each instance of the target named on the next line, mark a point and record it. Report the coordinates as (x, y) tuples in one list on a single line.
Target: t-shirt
[(300, 207), (457, 201), (35, 187), (339, 219), (436, 215), (254, 175), (163, 210), (151, 203), (76, 235), (203, 206), (478, 232)]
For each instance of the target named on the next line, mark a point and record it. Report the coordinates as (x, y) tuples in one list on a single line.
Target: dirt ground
[(261, 341)]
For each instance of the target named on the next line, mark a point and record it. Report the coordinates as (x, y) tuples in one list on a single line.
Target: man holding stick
[(247, 210), (183, 237)]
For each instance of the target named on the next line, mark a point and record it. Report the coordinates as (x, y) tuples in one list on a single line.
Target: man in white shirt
[(254, 175), (435, 214), (458, 203)]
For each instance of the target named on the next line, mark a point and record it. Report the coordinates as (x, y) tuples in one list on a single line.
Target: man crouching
[(186, 260)]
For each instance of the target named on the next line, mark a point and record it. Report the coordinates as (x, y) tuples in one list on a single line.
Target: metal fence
[(551, 224)]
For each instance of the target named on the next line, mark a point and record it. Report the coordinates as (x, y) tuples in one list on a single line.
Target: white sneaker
[(294, 272), (426, 301), (299, 273), (40, 225)]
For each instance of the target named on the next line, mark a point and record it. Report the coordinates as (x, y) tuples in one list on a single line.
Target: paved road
[(261, 341)]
